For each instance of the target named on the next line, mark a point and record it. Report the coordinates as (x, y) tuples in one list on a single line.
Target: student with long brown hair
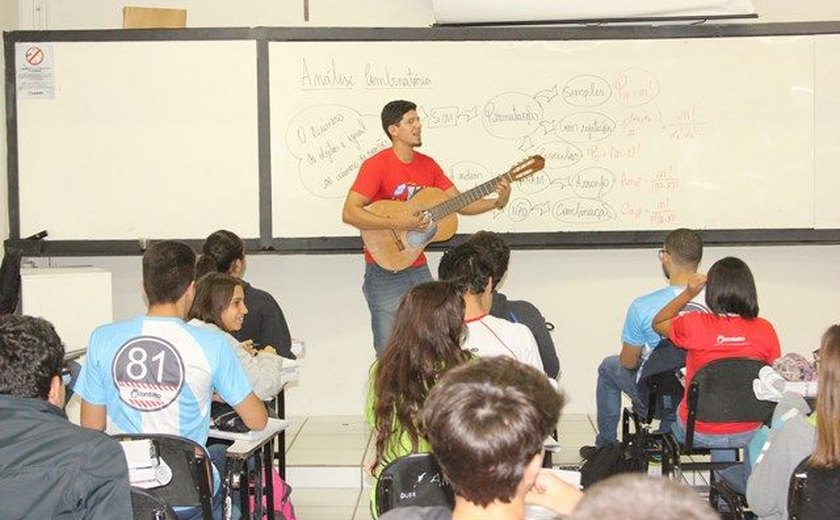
[(424, 343), (219, 305), (795, 435), (265, 324)]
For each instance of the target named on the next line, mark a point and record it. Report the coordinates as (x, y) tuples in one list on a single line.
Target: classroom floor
[(325, 455)]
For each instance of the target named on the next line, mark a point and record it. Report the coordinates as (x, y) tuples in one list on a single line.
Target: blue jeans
[(383, 292), (706, 440), (613, 379)]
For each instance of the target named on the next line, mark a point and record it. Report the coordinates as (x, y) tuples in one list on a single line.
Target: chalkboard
[(174, 133), (142, 139), (637, 135)]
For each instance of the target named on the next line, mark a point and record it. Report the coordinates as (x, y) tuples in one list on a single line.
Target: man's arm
[(629, 356), (484, 205), (355, 214), (93, 416), (252, 412)]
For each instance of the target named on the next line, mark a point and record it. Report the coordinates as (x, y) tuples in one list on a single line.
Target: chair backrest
[(812, 493), (192, 475), (147, 507), (412, 480), (722, 391)]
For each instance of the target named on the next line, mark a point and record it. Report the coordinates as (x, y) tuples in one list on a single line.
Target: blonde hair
[(827, 451)]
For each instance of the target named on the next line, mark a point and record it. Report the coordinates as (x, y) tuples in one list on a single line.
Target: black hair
[(730, 288), (685, 246), (393, 112), (495, 251), (224, 248), (168, 270), (31, 354), (464, 266)]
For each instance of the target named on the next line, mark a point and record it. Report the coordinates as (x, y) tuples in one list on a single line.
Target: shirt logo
[(729, 340), (148, 373), (405, 191)]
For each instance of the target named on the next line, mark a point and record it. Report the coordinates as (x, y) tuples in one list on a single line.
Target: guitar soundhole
[(420, 238)]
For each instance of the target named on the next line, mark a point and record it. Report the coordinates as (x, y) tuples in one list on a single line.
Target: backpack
[(627, 456), (283, 508)]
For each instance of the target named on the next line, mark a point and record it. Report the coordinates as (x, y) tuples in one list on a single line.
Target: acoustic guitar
[(395, 250)]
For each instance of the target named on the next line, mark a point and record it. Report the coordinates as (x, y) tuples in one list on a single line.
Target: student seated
[(49, 467), (487, 421), (732, 330), (425, 342), (219, 305), (795, 435), (155, 373), (466, 268), (640, 497), (618, 374), (496, 253), (265, 323)]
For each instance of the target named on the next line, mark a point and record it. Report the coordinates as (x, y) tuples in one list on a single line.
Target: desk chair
[(813, 493), (192, 475), (412, 480), (720, 392), (147, 507)]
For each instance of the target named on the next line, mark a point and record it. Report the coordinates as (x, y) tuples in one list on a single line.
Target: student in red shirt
[(732, 330)]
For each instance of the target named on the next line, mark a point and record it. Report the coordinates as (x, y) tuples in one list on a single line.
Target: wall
[(584, 293)]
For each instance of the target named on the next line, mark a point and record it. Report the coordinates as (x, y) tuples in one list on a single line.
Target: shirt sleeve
[(681, 330), (632, 333), (229, 379), (368, 180), (442, 182), (89, 384)]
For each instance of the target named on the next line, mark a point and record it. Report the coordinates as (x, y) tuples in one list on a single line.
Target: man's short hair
[(31, 354), (486, 420), (494, 250), (640, 497), (685, 247), (465, 267), (168, 270), (393, 112)]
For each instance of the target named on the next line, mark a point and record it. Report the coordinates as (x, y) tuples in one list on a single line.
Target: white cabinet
[(75, 300)]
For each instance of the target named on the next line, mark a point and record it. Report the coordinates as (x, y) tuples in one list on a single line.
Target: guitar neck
[(465, 199)]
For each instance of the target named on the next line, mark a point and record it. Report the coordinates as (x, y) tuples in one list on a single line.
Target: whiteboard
[(152, 139), (711, 133)]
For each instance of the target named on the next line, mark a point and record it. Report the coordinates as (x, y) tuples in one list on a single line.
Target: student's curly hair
[(495, 251), (31, 354), (466, 268), (425, 342)]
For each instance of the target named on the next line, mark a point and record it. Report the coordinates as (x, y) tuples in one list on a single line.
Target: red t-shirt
[(709, 337), (385, 177)]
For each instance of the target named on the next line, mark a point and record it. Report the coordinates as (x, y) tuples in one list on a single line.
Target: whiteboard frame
[(268, 243)]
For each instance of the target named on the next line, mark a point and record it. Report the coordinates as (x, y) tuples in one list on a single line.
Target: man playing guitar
[(398, 173)]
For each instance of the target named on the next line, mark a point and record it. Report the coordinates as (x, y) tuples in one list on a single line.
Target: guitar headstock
[(529, 166)]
